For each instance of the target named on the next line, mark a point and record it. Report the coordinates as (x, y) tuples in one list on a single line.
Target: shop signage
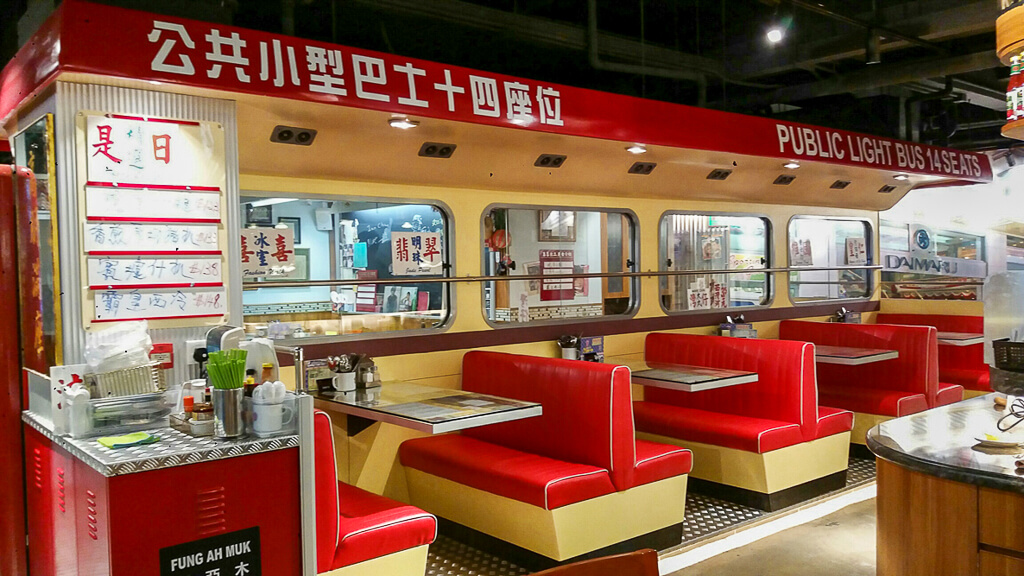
[(936, 265), (267, 252), (415, 253), (367, 299), (178, 51), (154, 304), (232, 554), (821, 143), (556, 262)]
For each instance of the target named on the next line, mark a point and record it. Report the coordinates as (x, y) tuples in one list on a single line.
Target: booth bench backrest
[(785, 389), (949, 356), (915, 370), (587, 409)]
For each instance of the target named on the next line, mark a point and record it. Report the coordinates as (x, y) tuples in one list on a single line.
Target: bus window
[(395, 249), (520, 241), (822, 242), (707, 242)]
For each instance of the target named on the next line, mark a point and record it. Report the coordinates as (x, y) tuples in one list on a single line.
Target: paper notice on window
[(856, 252), (267, 252)]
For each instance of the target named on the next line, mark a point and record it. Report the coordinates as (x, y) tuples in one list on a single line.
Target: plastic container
[(1008, 355), (120, 415)]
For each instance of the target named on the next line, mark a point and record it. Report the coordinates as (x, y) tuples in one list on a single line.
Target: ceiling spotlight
[(637, 149), (791, 165), (403, 123), (775, 34), (901, 177)]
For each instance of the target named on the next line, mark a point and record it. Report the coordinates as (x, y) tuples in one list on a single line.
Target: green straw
[(226, 369)]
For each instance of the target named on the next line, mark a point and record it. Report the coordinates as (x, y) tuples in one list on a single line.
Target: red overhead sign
[(111, 41)]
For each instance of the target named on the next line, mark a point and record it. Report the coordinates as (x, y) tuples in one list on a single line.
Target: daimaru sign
[(936, 265)]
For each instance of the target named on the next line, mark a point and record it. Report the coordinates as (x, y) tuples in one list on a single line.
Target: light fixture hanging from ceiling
[(873, 50)]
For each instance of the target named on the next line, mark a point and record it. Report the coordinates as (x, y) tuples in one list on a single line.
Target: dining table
[(851, 356), (960, 338), (683, 377)]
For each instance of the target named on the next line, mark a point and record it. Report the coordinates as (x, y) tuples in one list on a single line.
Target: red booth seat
[(748, 436), (355, 528), (963, 365), (779, 410), (556, 469), (903, 385)]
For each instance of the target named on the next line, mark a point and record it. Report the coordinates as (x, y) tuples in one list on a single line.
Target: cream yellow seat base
[(559, 534), (862, 422), (825, 460), (411, 562), (968, 394)]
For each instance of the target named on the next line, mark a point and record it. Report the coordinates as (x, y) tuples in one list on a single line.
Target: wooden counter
[(945, 505)]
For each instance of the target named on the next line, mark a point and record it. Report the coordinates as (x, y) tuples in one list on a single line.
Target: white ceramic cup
[(345, 381), (269, 418)]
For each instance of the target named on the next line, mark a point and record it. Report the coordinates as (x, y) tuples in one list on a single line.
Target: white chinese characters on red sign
[(136, 151), (415, 253), (267, 252), (292, 63)]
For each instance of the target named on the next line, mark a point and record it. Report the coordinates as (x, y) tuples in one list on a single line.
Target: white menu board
[(122, 305), (117, 237), (105, 272), (138, 204), (136, 150), (151, 191)]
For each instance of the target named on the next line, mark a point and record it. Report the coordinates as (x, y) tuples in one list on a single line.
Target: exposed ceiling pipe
[(917, 99), (881, 30), (870, 78), (288, 17), (700, 78)]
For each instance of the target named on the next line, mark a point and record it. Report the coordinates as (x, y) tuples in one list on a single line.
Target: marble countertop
[(943, 442)]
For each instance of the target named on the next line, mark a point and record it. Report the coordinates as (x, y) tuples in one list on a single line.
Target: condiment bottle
[(188, 402), (202, 411), (268, 372), (250, 382)]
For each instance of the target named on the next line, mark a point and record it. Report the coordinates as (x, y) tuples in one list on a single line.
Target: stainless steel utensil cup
[(227, 412)]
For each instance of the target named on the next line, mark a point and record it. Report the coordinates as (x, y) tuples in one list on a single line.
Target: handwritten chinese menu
[(556, 262), (152, 236)]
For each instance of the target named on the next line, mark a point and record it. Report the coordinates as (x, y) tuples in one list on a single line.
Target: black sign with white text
[(233, 554)]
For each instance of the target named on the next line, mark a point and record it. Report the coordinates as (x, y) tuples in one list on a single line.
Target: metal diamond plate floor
[(705, 516)]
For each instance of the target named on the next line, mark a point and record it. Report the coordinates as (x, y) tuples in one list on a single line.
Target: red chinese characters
[(104, 144)]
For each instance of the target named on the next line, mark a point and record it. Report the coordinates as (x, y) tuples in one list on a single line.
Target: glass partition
[(714, 242), (395, 248), (38, 252), (536, 242), (822, 242)]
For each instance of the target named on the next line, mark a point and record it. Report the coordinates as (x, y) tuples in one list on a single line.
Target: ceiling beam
[(870, 78), (752, 60), (982, 96), (547, 32)]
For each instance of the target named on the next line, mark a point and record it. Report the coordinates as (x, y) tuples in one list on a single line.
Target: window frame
[(634, 300), (769, 259), (870, 241), (448, 257)]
